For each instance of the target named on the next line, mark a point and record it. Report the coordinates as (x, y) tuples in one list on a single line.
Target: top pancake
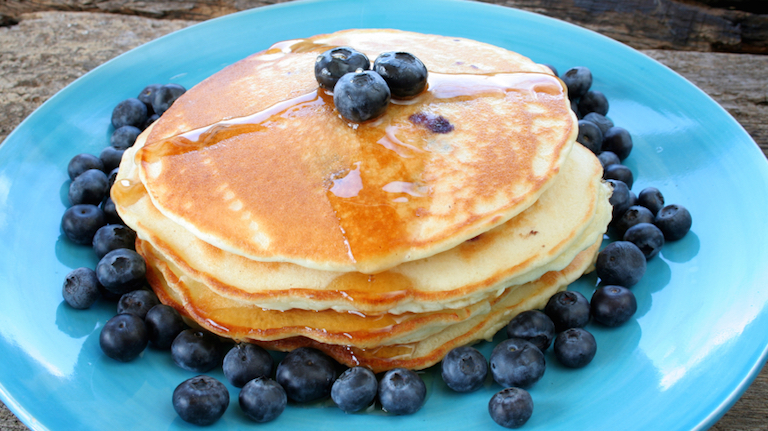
[(256, 161)]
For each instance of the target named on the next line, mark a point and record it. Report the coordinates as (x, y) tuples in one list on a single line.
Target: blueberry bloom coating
[(245, 362), (464, 369), (516, 362), (608, 158), (647, 237), (164, 98), (110, 158), (262, 399), (121, 271), (402, 391), (306, 374), (613, 305), (337, 62), (633, 215), (603, 122), (123, 337), (590, 136), (201, 400), (164, 324), (619, 141), (568, 309), (90, 187), (578, 80), (137, 302), (124, 137), (361, 96), (620, 198), (511, 407), (81, 288), (405, 74), (651, 198), (533, 326), (593, 101), (619, 172), (81, 163), (112, 237), (620, 263), (81, 222), (129, 112), (674, 221), (575, 348), (196, 350), (355, 389)]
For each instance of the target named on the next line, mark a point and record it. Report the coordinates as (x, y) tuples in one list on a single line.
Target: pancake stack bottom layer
[(265, 217)]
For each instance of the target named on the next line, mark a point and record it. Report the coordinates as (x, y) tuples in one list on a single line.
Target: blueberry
[(201, 400), (552, 68), (603, 122), (110, 212), (81, 288), (164, 98), (361, 96), (337, 62), (621, 263), (619, 172), (147, 96), (402, 391), (435, 123), (511, 407), (575, 348), (647, 237), (516, 362), (306, 374), (123, 337), (262, 399), (355, 389), (405, 74), (83, 162), (568, 309), (80, 223), (111, 237), (651, 198), (464, 369), (196, 350), (151, 119), (590, 136), (534, 326), (593, 101), (124, 137), (608, 158), (90, 187), (244, 362), (121, 271), (613, 305), (110, 158), (137, 302), (674, 221), (129, 112), (578, 80), (164, 324), (632, 216), (575, 108), (619, 141), (620, 198)]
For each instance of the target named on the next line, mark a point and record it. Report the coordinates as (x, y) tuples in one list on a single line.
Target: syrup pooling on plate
[(379, 185)]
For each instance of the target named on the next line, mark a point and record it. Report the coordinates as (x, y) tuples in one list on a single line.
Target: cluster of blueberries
[(642, 222), (362, 93)]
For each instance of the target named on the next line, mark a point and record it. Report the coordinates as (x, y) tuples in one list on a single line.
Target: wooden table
[(42, 51)]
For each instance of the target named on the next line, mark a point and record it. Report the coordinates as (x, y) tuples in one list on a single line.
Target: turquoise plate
[(698, 338)]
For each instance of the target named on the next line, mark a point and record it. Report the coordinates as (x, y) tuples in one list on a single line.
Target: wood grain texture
[(721, 26), (45, 51)]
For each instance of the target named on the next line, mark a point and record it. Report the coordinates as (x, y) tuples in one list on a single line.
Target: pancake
[(255, 161), (346, 347), (571, 215)]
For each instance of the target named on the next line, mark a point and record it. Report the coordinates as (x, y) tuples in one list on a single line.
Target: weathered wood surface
[(705, 25), (43, 52)]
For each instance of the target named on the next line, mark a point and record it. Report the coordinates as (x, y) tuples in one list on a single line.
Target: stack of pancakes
[(266, 217)]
